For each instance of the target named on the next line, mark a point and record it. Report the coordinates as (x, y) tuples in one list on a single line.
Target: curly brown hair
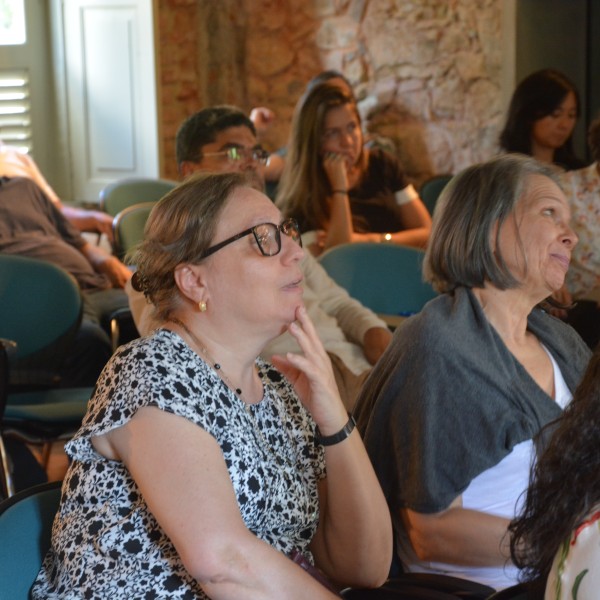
[(565, 485)]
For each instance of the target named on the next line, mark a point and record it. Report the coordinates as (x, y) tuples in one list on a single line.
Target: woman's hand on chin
[(336, 170), (311, 374)]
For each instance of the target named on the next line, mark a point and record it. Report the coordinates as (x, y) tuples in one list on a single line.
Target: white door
[(111, 92)]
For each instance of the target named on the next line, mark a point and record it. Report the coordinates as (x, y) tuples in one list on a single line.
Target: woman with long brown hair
[(339, 190)]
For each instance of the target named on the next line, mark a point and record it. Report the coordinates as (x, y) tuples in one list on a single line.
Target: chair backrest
[(384, 277), (431, 190), (120, 194), (41, 307), (128, 227), (25, 530)]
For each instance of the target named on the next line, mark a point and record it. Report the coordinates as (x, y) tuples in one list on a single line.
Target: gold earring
[(202, 306)]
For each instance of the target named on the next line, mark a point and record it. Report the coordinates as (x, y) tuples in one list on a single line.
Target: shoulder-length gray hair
[(481, 197)]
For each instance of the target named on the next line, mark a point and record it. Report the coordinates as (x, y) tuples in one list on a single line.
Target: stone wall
[(427, 72)]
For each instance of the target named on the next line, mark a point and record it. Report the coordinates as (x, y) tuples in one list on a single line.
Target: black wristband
[(340, 436)]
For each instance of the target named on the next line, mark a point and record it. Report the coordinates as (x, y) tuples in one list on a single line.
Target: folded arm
[(375, 342), (458, 536), (416, 220), (88, 220), (103, 262)]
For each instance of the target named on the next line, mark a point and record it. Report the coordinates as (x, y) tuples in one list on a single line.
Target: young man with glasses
[(223, 139)]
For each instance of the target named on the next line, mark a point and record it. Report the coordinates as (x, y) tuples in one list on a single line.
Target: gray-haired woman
[(451, 413)]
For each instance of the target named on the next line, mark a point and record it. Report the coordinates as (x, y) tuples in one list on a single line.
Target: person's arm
[(458, 536), (27, 167), (89, 220), (262, 118), (411, 211), (353, 543), (107, 264), (339, 229), (415, 218), (274, 167), (84, 220), (375, 341), (180, 471)]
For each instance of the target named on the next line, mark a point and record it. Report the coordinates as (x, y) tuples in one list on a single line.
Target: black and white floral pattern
[(105, 542)]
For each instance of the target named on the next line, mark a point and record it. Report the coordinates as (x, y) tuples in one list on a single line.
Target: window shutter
[(15, 109)]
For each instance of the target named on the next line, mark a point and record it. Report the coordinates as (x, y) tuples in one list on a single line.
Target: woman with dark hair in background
[(262, 118), (339, 190), (556, 539), (542, 115)]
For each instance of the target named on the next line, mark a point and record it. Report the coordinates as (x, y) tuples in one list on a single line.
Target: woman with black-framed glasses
[(200, 470)]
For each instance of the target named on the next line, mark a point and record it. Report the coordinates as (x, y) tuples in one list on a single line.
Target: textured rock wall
[(427, 72)]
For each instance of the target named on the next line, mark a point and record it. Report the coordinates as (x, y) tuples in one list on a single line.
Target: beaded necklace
[(238, 392), (200, 346)]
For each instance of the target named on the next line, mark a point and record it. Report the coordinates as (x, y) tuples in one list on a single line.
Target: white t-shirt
[(500, 491)]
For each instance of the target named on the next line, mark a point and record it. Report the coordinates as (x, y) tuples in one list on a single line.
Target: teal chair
[(128, 227), (384, 277), (128, 231), (41, 308), (25, 530), (431, 189), (120, 194)]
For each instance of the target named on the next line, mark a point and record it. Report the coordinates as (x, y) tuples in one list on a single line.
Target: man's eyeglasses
[(235, 155), (267, 236)]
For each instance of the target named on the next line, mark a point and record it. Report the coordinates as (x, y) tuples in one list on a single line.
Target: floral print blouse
[(106, 542), (575, 572), (582, 189)]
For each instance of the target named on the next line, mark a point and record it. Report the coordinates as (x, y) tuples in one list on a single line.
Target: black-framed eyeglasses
[(235, 155), (267, 236)]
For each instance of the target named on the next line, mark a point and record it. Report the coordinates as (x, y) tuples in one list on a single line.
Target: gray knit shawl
[(448, 400)]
